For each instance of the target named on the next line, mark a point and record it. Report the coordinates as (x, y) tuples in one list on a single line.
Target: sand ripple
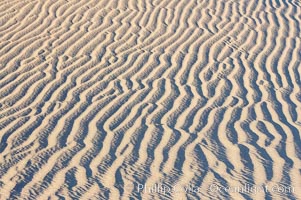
[(100, 98)]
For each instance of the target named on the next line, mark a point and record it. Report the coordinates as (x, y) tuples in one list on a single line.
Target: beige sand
[(119, 99)]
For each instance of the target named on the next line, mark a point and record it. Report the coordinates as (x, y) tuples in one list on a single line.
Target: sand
[(150, 99)]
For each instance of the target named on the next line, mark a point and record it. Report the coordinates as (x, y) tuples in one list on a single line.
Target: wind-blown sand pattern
[(100, 98)]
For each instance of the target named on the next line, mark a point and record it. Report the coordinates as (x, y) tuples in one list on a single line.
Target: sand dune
[(109, 99)]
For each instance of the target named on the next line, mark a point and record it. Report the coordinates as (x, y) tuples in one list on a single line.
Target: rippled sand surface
[(150, 99)]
